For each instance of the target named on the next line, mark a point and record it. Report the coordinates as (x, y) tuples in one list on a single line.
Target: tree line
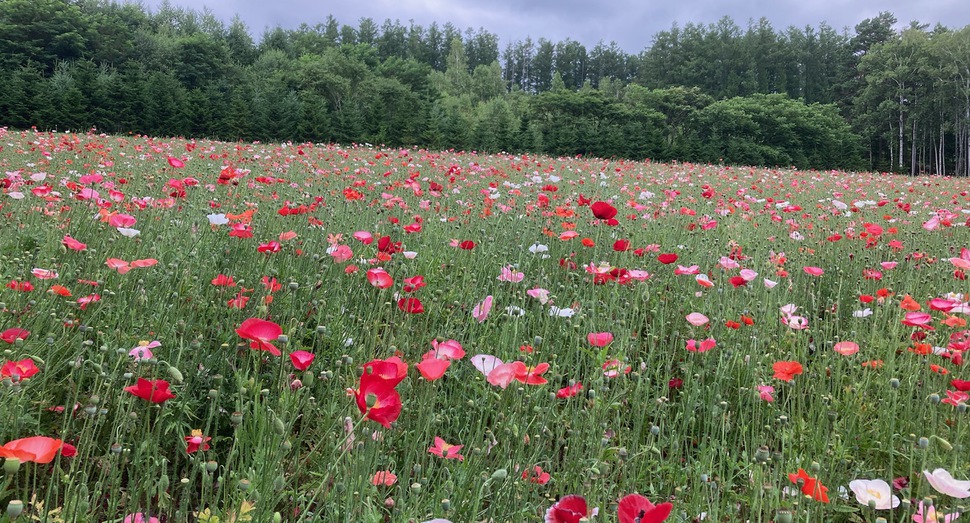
[(811, 97)]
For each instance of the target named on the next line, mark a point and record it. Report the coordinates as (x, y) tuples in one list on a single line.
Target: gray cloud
[(631, 23)]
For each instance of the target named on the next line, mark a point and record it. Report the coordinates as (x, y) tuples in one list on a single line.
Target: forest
[(877, 98)]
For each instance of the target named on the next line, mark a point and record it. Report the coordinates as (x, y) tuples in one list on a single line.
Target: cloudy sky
[(631, 23)]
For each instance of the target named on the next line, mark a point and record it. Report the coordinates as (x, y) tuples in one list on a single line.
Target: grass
[(691, 428)]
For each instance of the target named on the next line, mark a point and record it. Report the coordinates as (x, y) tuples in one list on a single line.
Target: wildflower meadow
[(227, 332)]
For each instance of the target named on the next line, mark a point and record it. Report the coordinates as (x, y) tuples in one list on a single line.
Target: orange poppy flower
[(787, 370), (909, 304)]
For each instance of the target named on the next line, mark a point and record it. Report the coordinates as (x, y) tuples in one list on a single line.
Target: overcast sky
[(631, 23)]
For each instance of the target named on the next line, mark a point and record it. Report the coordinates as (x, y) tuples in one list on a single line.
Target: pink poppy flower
[(599, 339), (509, 274), (765, 391), (944, 483), (301, 359), (846, 348), (703, 346), (813, 271), (480, 311), (446, 450), (697, 319), (384, 478), (379, 278)]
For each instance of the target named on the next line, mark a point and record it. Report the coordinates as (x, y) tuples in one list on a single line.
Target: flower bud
[(11, 466), (500, 474), (762, 455), (15, 508)]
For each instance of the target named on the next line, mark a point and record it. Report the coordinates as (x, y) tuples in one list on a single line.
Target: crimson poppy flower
[(961, 385), (13, 334), (175, 162), (392, 370), (155, 391), (410, 305), (260, 333), (21, 369), (301, 359), (603, 210), (621, 245), (413, 283), (20, 286), (569, 509), (570, 391), (378, 400), (269, 247), (667, 258), (38, 449), (196, 442), (634, 508), (466, 245)]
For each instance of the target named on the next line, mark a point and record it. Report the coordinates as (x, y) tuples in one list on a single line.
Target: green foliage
[(773, 130)]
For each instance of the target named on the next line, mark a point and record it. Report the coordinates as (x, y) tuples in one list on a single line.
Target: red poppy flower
[(811, 487), (410, 305), (38, 449), (960, 385), (787, 370), (536, 475), (11, 335), (155, 391), (260, 333), (621, 245), (603, 210), (392, 370), (20, 370), (530, 375), (635, 508), (467, 245), (570, 391), (432, 368), (378, 400), (223, 281), (570, 509), (196, 442), (737, 281), (667, 258)]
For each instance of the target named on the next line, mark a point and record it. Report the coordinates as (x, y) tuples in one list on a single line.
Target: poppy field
[(227, 332)]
